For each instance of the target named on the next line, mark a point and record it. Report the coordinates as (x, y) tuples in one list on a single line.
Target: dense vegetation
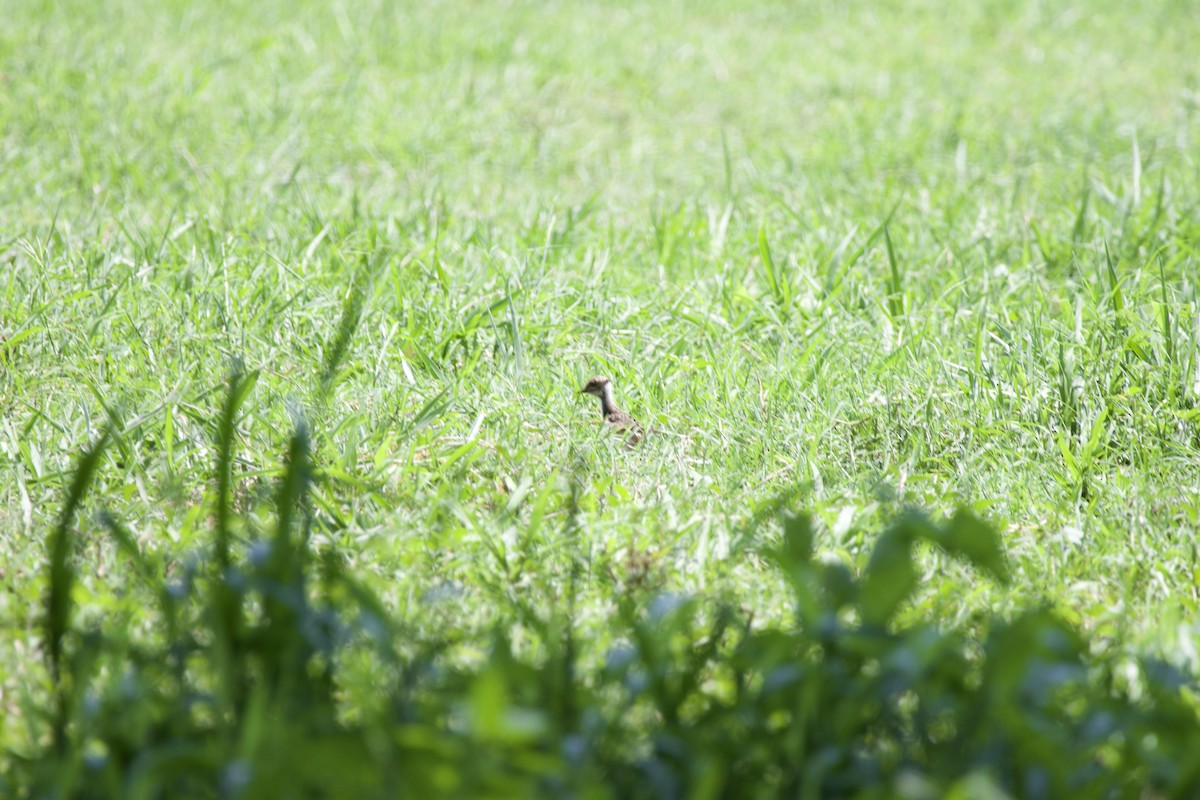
[(312, 288), (245, 693)]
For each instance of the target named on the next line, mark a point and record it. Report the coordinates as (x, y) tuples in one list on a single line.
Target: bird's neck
[(607, 404)]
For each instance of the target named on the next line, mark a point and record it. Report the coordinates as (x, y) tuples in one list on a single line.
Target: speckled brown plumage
[(601, 387)]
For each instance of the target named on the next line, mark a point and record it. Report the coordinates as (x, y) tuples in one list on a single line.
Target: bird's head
[(596, 386)]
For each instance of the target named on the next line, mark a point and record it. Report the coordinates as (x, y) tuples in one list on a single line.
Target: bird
[(602, 387)]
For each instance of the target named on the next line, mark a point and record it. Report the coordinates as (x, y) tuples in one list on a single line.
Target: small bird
[(601, 387)]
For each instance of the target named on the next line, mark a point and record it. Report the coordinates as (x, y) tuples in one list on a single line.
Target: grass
[(842, 259)]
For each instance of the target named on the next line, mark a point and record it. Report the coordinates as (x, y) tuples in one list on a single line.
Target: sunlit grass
[(842, 260)]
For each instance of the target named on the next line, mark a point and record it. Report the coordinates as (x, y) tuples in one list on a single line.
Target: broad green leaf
[(890, 575), (971, 538)]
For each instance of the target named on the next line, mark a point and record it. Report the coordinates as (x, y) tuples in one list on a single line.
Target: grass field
[(846, 258)]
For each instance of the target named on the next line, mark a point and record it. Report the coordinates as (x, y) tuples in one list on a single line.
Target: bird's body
[(601, 387)]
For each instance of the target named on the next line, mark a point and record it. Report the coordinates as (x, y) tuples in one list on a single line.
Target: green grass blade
[(1115, 295), (895, 293), (61, 578), (226, 607), (337, 348), (288, 555), (769, 268), (240, 385), (1079, 229), (1168, 330)]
